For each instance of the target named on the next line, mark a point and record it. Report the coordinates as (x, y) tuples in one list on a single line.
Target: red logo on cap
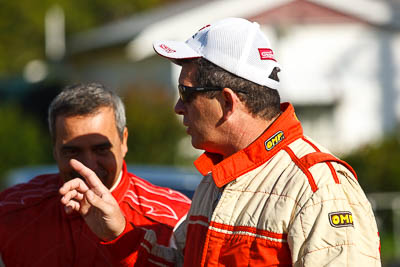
[(167, 49), (266, 54)]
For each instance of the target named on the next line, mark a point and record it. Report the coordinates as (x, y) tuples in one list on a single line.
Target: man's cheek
[(102, 174)]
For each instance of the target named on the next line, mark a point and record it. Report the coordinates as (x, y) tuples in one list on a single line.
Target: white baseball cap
[(234, 44)]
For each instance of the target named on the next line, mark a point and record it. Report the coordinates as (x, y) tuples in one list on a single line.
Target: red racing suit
[(35, 230), (282, 201)]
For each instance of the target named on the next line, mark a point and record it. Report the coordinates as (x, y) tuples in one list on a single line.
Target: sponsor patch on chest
[(341, 219)]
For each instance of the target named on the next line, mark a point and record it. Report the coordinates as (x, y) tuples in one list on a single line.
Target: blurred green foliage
[(23, 130), (22, 24), (378, 168), (378, 165), (22, 140), (154, 128)]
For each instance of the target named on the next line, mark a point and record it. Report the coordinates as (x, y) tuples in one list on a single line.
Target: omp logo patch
[(167, 49), (341, 219), (274, 140), (266, 54)]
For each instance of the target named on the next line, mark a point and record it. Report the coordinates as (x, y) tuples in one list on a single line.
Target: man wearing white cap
[(270, 196)]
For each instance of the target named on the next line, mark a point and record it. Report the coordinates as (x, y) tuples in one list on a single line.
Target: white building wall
[(343, 66)]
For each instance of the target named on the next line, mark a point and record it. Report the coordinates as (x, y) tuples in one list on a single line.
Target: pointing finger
[(90, 176)]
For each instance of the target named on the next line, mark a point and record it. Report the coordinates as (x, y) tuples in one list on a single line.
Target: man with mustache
[(87, 123)]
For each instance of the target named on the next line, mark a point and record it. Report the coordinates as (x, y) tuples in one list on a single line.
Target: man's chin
[(198, 145), (195, 143)]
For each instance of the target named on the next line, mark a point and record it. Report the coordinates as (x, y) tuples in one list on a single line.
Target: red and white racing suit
[(282, 201), (36, 231)]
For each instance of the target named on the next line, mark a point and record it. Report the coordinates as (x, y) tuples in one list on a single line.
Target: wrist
[(122, 228)]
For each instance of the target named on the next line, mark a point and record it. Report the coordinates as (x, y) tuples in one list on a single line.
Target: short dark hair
[(85, 99), (260, 100)]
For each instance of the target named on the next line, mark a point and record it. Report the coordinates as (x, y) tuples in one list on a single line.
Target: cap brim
[(174, 50)]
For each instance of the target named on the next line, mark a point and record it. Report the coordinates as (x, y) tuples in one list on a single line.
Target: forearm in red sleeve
[(138, 247), (127, 247)]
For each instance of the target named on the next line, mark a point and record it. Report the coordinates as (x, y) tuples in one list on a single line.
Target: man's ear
[(230, 102), (124, 142)]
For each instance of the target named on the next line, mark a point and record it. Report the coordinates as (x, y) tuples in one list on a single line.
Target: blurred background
[(340, 68)]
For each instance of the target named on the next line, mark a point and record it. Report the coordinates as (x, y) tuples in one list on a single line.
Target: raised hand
[(94, 202)]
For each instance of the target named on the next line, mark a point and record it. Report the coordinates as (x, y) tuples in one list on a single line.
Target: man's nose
[(179, 107)]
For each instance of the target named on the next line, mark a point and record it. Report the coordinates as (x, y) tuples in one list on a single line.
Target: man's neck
[(243, 134)]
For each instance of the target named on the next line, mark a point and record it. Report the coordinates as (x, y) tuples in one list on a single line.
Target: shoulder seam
[(23, 195), (330, 166), (152, 207), (302, 167), (168, 193)]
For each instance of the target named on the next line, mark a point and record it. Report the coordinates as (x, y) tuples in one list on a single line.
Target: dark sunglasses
[(185, 92)]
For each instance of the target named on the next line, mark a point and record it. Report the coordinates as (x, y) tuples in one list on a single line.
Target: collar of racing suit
[(119, 191), (284, 130)]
